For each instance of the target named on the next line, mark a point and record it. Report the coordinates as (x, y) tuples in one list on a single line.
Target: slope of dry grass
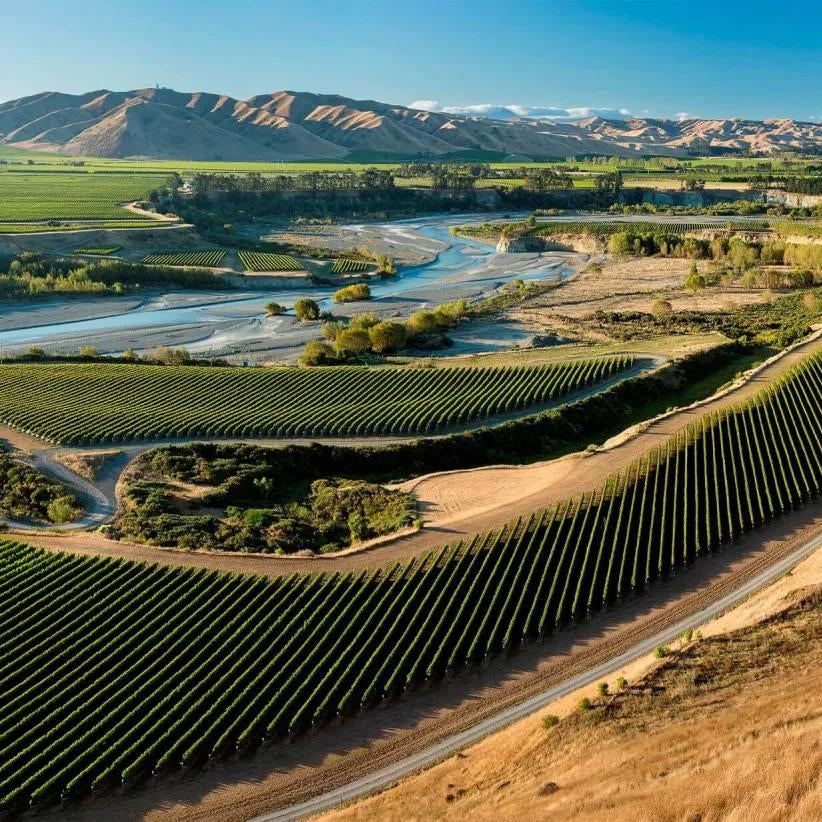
[(727, 728)]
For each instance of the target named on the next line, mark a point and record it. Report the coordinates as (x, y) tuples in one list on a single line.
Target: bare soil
[(625, 284)]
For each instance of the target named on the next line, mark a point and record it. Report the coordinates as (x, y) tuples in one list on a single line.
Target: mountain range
[(161, 123)]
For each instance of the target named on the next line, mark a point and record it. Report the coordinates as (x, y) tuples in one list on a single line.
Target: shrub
[(274, 309), (306, 309), (662, 309), (387, 336), (695, 282), (584, 704), (352, 293), (423, 322), (332, 328), (602, 689), (89, 351), (352, 341), (317, 353), (661, 651), (550, 721), (362, 322), (622, 683)]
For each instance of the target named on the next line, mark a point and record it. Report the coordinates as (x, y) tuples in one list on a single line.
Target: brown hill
[(288, 125)]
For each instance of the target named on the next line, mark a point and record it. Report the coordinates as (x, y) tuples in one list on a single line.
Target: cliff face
[(289, 125)]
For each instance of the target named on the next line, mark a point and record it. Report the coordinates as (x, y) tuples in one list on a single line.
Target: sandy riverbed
[(234, 324)]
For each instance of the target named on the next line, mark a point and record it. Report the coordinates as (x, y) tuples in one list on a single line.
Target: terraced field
[(99, 403), (208, 258), (114, 671), (265, 261)]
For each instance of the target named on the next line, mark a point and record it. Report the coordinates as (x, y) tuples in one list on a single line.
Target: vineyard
[(41, 196), (606, 228), (348, 266), (265, 261), (38, 228), (98, 252), (99, 403), (205, 259), (116, 671)]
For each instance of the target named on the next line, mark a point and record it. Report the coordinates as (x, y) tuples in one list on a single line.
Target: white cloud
[(426, 105), (514, 111), (684, 115)]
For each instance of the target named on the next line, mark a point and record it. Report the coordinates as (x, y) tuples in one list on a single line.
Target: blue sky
[(718, 59)]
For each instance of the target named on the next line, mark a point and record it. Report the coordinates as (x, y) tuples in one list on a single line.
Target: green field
[(207, 258), (266, 261), (42, 196), (73, 403), (39, 228), (348, 266), (607, 227), (99, 251), (116, 671)]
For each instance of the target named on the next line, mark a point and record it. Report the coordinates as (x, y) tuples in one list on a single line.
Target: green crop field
[(208, 258), (115, 671), (39, 228), (265, 261), (73, 403), (607, 227), (40, 196), (347, 266), (98, 252)]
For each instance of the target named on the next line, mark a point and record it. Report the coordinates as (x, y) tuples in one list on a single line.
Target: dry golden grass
[(87, 465), (629, 284), (727, 728)]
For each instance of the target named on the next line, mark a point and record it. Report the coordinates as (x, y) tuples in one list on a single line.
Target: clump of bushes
[(262, 514), (27, 495), (352, 293), (368, 334)]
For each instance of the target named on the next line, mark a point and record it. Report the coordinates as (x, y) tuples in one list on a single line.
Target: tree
[(387, 336), (317, 353), (89, 351), (352, 341), (274, 309), (422, 322), (306, 310), (694, 281)]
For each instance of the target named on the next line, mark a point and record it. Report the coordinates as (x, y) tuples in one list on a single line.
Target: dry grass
[(726, 728), (625, 285), (87, 465)]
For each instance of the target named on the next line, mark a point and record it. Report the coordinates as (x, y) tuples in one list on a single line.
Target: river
[(235, 324)]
